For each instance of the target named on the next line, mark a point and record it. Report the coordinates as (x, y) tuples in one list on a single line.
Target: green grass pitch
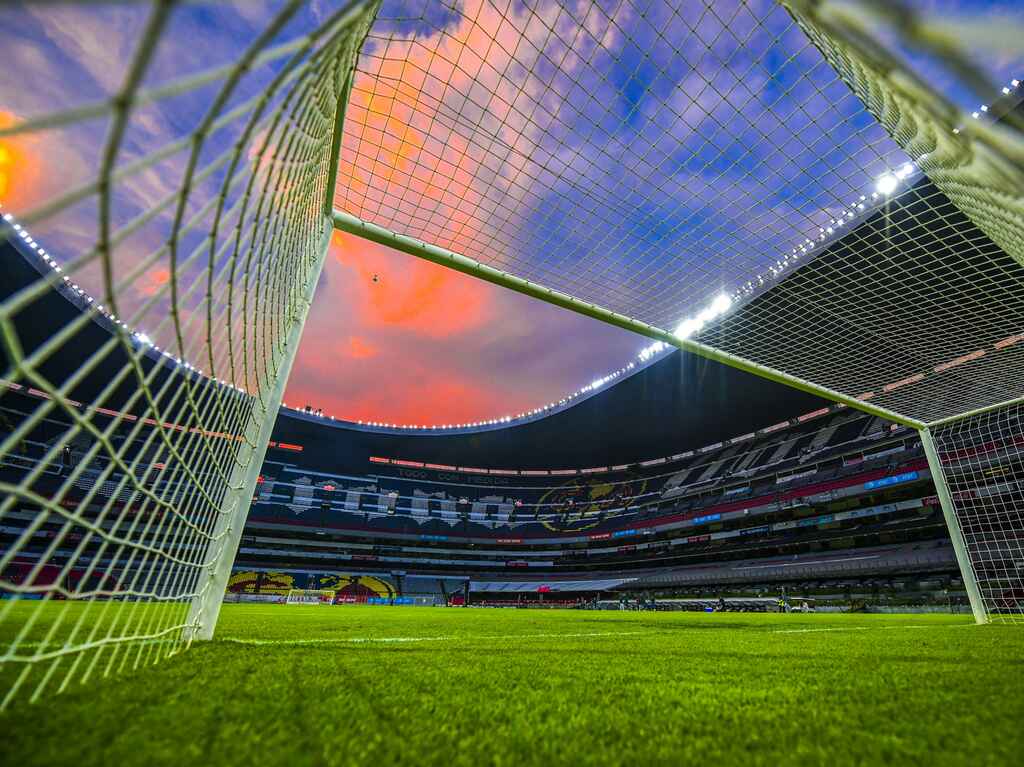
[(313, 685)]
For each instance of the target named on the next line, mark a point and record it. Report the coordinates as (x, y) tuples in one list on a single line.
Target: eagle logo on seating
[(583, 503)]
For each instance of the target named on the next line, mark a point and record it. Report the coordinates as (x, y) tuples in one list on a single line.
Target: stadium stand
[(835, 495)]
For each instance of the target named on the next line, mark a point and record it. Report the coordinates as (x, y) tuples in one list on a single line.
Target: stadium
[(746, 280)]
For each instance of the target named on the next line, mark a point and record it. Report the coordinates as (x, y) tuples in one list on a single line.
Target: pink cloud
[(418, 344), (426, 345), (21, 166), (360, 349), (390, 289)]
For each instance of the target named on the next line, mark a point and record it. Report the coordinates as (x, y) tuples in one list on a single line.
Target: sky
[(583, 146), (396, 339)]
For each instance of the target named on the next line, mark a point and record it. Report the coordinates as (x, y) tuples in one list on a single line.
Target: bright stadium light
[(887, 184), (687, 328), (693, 325)]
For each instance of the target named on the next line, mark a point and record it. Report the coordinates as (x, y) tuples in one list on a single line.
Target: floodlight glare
[(887, 184)]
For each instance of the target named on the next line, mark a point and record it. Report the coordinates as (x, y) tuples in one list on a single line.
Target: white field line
[(871, 628), (478, 637), (400, 640)]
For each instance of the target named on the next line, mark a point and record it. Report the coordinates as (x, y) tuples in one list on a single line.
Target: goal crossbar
[(350, 224)]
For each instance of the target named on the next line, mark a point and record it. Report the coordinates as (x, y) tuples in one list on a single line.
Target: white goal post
[(134, 429), (977, 464)]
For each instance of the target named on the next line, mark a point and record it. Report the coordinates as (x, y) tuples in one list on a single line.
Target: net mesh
[(639, 156), (975, 163), (310, 597), (915, 310), (647, 157), (135, 416), (982, 460), (769, 180)]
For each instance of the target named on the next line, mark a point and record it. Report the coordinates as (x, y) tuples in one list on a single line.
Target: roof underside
[(680, 403), (916, 308)]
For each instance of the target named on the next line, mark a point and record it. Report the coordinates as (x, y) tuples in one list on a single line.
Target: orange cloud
[(423, 344), (360, 349), (391, 289), (153, 280), (432, 397), (20, 168), (445, 125)]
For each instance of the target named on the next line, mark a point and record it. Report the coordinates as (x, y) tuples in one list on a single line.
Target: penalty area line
[(870, 628), (402, 640)]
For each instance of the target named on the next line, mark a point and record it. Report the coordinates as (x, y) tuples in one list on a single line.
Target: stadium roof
[(680, 402), (684, 401)]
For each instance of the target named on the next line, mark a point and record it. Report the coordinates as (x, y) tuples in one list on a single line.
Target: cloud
[(443, 129), (419, 343), (396, 292), (641, 161), (426, 345), (154, 280), (360, 348), (21, 167), (102, 41)]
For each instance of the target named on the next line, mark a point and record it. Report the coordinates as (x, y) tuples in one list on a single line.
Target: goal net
[(982, 458), (164, 226), (310, 597), (768, 184), (782, 187)]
